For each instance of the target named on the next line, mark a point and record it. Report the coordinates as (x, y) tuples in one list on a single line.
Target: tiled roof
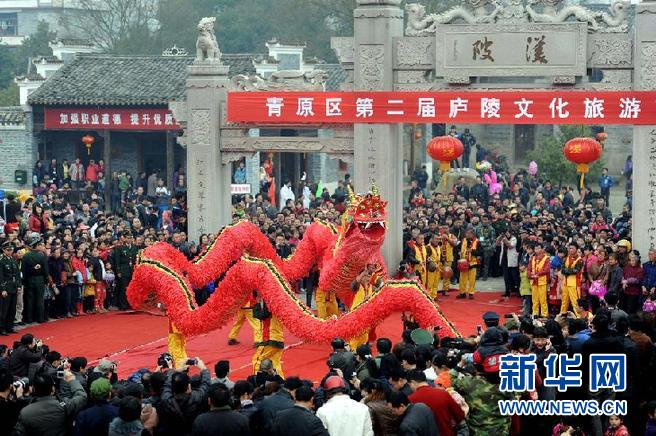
[(105, 80), (74, 42), (241, 63), (115, 80), (93, 79), (336, 76), (11, 116)]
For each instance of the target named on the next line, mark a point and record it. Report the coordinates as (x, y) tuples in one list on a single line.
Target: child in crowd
[(525, 289), (584, 309), (89, 290), (616, 427), (109, 278)]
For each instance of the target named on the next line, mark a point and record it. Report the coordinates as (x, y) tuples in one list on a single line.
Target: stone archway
[(435, 53)]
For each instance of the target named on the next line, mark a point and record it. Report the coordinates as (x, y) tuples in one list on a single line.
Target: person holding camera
[(47, 414), (12, 399), (180, 403), (28, 352)]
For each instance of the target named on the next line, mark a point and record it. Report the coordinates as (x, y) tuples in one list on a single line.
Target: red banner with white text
[(484, 107), (83, 118)]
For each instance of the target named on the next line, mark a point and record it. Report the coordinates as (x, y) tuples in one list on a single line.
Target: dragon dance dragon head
[(364, 218)]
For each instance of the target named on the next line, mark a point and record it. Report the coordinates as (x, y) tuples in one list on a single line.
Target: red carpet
[(135, 340)]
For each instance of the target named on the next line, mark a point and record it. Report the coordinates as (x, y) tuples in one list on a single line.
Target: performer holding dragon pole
[(244, 259)]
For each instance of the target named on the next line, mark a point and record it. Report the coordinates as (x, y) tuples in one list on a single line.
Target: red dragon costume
[(244, 260)]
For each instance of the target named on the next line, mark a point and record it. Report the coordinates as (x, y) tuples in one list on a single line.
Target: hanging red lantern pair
[(582, 152)]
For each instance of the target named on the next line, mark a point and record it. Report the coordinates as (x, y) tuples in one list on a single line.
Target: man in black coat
[(221, 419), (480, 192), (299, 420), (95, 420), (416, 419), (180, 404), (28, 352), (267, 409), (602, 341), (47, 414)]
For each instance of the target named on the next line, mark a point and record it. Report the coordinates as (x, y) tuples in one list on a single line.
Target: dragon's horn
[(374, 189), (351, 195)]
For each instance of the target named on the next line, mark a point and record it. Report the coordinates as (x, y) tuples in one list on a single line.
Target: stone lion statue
[(207, 49)]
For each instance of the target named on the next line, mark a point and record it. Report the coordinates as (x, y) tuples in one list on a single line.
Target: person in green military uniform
[(487, 240), (35, 280), (10, 283), (482, 397), (123, 258)]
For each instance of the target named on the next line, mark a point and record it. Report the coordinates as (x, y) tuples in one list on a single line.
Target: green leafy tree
[(34, 45), (552, 163), (7, 66), (9, 96)]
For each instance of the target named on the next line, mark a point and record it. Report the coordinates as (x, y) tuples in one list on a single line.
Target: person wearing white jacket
[(341, 415)]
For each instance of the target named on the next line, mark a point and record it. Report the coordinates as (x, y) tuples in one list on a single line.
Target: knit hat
[(105, 366), (100, 388)]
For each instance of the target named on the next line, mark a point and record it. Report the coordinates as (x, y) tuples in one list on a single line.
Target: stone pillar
[(208, 193), (170, 160), (378, 154), (107, 157), (644, 137)]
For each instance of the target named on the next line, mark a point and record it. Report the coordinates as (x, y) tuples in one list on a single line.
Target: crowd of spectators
[(88, 255), (423, 385)]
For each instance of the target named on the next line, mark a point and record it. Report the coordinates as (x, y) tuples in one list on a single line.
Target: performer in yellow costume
[(326, 304), (177, 346), (468, 263), (363, 286), (433, 265), (268, 336), (447, 243), (245, 314), (571, 272), (418, 256), (539, 269)]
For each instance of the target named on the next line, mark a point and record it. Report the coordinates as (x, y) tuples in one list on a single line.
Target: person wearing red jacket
[(446, 411)]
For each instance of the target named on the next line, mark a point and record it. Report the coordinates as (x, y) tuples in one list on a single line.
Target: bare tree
[(114, 25)]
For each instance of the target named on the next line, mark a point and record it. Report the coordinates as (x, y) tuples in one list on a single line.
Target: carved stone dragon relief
[(420, 24), (615, 20), (282, 80)]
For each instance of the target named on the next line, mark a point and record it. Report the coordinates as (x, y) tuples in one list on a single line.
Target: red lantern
[(582, 151), (445, 149), (88, 142)]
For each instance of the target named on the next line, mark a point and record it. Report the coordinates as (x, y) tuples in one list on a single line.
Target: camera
[(164, 359), (191, 362), (60, 374), (21, 383)]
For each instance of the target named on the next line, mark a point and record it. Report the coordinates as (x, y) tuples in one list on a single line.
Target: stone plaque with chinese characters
[(527, 50)]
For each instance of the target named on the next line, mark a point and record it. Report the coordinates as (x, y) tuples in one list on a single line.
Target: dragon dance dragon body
[(243, 260)]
